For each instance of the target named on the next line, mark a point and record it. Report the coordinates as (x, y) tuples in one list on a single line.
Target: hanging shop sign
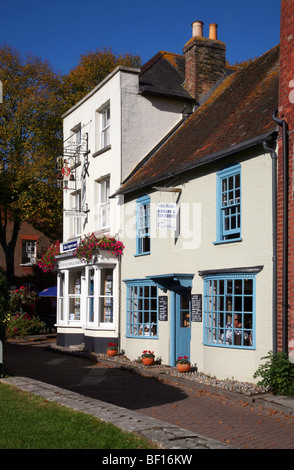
[(166, 216)]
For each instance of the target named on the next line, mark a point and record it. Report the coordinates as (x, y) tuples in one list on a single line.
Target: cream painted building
[(202, 280), (199, 268)]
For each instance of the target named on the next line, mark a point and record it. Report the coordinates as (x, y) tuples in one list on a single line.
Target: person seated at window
[(229, 330), (237, 333)]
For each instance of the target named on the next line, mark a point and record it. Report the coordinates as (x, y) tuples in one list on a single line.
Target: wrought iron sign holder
[(67, 165), (71, 160)]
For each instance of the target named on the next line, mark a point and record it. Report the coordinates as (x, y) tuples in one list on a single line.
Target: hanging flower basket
[(93, 243), (48, 261)]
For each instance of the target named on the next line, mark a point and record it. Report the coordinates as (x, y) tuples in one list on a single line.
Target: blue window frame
[(229, 311), (142, 309), (229, 204), (143, 226)]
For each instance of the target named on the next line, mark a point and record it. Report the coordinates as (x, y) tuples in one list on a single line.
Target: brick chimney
[(285, 327), (205, 61)]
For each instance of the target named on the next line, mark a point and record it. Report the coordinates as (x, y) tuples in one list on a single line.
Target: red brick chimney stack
[(205, 61), (286, 114)]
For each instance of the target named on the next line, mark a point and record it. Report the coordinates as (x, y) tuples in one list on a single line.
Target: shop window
[(91, 294), (75, 296), (229, 310), (106, 296), (143, 226), (61, 294), (142, 315)]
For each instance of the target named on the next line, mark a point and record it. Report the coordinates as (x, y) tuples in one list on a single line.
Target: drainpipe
[(284, 126), (274, 212)]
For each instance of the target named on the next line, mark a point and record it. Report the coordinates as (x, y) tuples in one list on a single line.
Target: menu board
[(196, 307), (162, 307)]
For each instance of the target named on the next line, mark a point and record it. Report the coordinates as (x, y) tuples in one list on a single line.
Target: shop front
[(87, 302)]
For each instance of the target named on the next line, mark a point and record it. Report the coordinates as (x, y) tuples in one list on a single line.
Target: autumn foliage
[(92, 68), (34, 99)]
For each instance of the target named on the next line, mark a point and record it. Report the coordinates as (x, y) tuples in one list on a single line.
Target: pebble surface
[(245, 388)]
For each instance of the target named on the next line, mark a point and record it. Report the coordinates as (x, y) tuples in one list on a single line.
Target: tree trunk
[(9, 249)]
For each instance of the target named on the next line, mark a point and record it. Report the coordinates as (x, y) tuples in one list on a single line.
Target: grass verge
[(32, 422)]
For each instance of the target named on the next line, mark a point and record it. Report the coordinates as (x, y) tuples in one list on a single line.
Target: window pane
[(106, 296)]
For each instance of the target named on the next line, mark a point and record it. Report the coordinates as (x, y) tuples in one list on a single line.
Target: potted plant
[(111, 349), (183, 365), (148, 358)]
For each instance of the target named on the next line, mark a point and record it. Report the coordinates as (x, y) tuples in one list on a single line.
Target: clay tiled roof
[(235, 116)]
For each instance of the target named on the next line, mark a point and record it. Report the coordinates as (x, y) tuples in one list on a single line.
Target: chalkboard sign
[(162, 306), (196, 307)]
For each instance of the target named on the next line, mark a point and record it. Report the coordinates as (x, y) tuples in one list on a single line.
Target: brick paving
[(228, 418)]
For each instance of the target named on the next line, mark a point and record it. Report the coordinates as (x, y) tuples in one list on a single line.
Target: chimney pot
[(213, 31), (197, 28)]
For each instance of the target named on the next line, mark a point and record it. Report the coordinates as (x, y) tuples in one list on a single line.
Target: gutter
[(285, 305)]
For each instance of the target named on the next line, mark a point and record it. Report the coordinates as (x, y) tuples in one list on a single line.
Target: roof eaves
[(207, 159)]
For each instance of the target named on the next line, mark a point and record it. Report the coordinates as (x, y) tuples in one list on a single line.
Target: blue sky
[(61, 30)]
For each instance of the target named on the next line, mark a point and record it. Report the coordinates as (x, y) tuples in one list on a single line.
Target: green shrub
[(277, 374), (23, 325)]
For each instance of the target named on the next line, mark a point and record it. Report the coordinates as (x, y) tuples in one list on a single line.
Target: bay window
[(229, 310)]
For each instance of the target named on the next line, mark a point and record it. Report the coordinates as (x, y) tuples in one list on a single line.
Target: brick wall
[(205, 65), (286, 113), (28, 273)]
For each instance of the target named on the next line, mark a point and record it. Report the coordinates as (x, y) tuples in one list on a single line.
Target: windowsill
[(99, 152), (229, 346), (232, 240), (101, 327), (28, 265), (142, 337), (142, 254)]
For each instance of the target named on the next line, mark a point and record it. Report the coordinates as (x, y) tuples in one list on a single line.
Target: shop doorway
[(183, 323)]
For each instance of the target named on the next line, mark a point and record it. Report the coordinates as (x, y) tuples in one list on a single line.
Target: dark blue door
[(183, 323)]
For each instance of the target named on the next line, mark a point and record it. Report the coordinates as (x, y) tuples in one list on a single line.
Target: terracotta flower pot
[(183, 367), (111, 352), (147, 361)]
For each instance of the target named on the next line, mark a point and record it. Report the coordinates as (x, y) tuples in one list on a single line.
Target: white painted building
[(105, 135)]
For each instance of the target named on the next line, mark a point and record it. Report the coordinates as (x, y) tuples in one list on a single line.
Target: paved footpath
[(212, 418)]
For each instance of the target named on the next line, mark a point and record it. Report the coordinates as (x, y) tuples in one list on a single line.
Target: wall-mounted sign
[(196, 307), (69, 246), (72, 213), (166, 215), (162, 308)]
